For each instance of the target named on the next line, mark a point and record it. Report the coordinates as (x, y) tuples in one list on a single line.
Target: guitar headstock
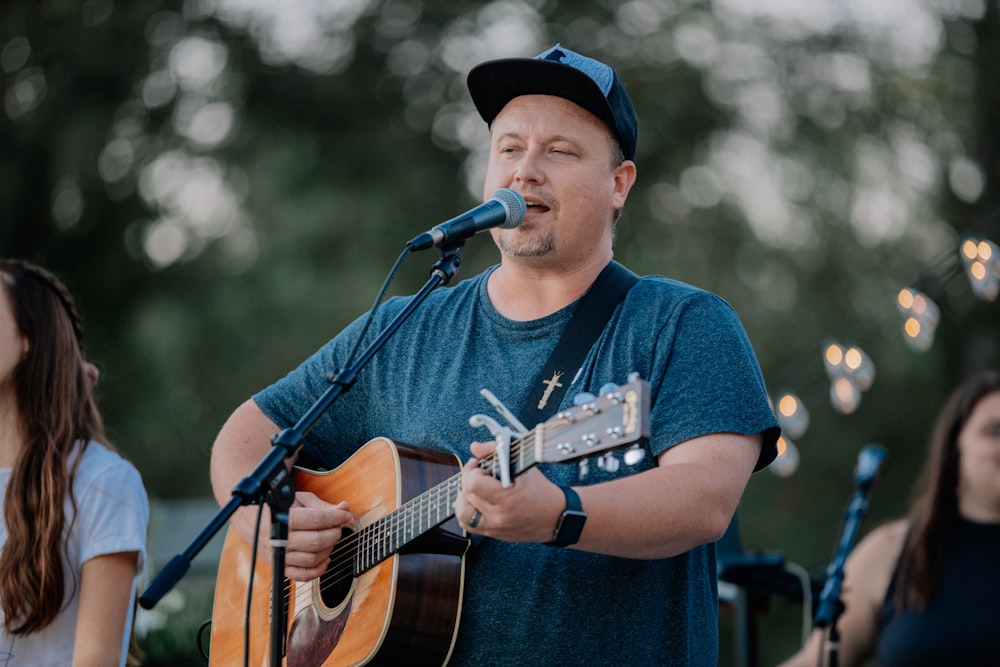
[(615, 419)]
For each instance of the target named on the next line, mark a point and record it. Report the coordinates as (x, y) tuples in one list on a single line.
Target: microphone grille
[(872, 461), (514, 204)]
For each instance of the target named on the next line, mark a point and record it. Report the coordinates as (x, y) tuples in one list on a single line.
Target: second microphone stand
[(830, 606)]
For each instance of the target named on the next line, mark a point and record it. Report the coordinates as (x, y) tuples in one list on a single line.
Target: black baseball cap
[(563, 73)]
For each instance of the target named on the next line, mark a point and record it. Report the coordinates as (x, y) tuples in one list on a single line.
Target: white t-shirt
[(113, 517)]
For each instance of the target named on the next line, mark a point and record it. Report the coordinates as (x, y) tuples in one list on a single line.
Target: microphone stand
[(271, 481), (830, 606)]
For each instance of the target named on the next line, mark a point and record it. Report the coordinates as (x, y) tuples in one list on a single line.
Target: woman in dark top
[(925, 590)]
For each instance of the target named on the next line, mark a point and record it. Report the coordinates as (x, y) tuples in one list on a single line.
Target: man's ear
[(624, 176)]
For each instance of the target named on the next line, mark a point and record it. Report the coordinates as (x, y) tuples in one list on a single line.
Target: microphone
[(504, 209), (871, 463)]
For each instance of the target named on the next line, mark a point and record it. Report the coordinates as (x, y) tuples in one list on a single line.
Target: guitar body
[(403, 610)]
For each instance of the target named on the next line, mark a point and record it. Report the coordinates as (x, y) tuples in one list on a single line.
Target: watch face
[(570, 527)]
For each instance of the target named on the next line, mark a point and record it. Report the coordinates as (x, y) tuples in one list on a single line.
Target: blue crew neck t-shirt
[(530, 604)]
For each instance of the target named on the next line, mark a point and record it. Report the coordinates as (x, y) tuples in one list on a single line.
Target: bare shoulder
[(886, 539), (871, 564)]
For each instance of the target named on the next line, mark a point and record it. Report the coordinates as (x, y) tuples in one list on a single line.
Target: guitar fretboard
[(390, 533)]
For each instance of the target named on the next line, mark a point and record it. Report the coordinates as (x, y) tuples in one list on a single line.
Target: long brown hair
[(57, 410), (935, 509)]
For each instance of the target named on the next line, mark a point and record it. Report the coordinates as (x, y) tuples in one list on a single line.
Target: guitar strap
[(592, 313)]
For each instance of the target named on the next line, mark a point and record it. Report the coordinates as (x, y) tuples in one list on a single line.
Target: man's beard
[(534, 247)]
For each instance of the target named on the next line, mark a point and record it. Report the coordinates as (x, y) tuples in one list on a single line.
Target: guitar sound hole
[(335, 584)]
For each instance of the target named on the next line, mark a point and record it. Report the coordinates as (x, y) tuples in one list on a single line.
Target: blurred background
[(224, 185)]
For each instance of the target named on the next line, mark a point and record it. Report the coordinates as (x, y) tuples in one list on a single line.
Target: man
[(636, 584)]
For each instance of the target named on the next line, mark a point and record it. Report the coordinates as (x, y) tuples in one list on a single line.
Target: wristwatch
[(571, 522)]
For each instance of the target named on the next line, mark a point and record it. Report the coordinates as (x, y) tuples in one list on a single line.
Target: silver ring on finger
[(474, 521)]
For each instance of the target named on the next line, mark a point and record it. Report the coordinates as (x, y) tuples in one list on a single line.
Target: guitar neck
[(395, 530), (613, 420)]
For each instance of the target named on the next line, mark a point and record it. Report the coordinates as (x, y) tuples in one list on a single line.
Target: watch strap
[(571, 522)]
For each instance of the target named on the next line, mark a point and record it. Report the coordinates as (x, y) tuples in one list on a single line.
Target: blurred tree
[(224, 185)]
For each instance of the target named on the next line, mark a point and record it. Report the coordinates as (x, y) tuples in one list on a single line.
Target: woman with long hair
[(925, 590), (75, 513)]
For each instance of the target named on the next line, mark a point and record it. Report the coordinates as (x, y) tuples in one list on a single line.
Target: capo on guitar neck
[(519, 429), (502, 435)]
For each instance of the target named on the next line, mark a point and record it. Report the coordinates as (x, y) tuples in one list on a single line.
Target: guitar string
[(342, 558)]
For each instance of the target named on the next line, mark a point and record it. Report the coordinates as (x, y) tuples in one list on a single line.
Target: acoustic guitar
[(393, 590)]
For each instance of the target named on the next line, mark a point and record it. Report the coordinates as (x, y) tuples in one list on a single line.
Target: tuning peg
[(608, 463), (633, 455), (584, 469), (583, 398), (609, 388)]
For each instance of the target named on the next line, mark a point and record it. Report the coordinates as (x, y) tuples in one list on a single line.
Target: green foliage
[(177, 642), (222, 199)]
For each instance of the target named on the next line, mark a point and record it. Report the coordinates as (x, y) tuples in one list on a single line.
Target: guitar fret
[(384, 547), (409, 521)]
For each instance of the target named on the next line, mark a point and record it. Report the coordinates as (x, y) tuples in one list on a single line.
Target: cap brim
[(495, 83)]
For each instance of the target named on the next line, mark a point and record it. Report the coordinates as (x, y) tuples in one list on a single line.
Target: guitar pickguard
[(319, 626), (313, 638)]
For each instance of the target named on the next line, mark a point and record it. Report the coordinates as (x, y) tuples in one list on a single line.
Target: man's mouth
[(535, 206)]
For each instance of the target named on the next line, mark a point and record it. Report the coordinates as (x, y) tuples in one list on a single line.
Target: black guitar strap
[(592, 313)]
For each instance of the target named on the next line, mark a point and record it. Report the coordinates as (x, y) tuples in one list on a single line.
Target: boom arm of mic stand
[(271, 479)]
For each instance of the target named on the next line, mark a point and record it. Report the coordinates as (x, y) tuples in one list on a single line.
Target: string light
[(851, 371), (859, 367), (845, 395), (792, 415), (982, 265), (787, 461), (833, 359), (920, 318)]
